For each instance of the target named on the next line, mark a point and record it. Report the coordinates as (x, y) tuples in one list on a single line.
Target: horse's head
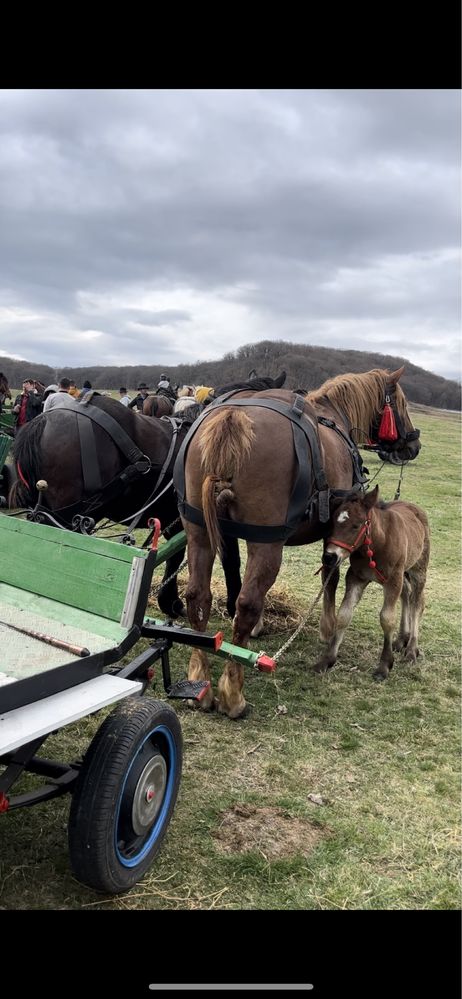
[(350, 526), (392, 433)]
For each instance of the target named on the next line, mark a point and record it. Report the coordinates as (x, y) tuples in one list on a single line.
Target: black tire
[(115, 829)]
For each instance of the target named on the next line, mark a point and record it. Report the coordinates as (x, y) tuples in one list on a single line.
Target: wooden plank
[(28, 530), (22, 725), (51, 566)]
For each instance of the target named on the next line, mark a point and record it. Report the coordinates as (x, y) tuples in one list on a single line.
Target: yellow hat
[(203, 392)]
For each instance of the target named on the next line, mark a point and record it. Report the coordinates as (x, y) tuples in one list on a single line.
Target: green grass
[(384, 758)]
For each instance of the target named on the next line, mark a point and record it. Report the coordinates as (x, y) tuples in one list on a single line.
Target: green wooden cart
[(72, 608)]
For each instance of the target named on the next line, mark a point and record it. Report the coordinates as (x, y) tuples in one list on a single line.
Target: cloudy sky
[(168, 226)]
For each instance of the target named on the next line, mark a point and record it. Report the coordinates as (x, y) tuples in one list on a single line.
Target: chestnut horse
[(157, 405), (388, 543), (4, 389), (241, 473)]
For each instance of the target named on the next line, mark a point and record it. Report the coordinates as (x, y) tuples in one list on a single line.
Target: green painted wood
[(52, 565), (111, 549), (169, 548)]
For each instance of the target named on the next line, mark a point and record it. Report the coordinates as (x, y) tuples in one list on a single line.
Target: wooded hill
[(306, 366)]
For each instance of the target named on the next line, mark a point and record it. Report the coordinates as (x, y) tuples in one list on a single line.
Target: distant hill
[(306, 366)]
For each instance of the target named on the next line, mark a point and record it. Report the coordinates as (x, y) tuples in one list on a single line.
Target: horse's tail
[(225, 441), (27, 456)]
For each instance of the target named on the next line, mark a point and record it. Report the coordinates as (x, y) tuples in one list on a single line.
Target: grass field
[(382, 761)]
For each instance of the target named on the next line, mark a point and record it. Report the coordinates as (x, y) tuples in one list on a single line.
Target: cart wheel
[(125, 795)]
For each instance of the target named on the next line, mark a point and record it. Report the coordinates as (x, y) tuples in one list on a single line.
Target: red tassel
[(387, 429)]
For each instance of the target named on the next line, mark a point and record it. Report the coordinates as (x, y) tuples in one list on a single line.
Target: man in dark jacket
[(143, 392), (28, 404)]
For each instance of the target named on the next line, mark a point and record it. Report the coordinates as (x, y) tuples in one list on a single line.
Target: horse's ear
[(371, 498), (395, 376)]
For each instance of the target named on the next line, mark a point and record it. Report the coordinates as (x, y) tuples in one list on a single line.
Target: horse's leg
[(199, 602), (402, 637), (231, 561), (168, 598), (417, 603), (263, 564), (327, 624), (354, 589), (392, 590)]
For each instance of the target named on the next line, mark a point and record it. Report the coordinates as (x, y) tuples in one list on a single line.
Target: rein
[(365, 533)]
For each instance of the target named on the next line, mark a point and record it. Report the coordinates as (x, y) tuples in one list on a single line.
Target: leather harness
[(310, 484)]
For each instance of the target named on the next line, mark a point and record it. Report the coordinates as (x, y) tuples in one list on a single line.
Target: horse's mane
[(256, 384), (359, 396)]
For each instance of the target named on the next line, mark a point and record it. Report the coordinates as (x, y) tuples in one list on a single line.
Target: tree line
[(307, 367)]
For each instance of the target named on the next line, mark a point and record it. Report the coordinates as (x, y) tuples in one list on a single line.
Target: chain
[(164, 582), (303, 622)]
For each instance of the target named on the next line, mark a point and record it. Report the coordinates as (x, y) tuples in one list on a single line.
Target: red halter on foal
[(364, 532)]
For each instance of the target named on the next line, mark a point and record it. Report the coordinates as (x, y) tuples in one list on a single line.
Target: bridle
[(362, 538)]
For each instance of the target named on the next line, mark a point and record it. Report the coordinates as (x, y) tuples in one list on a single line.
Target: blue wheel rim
[(171, 761)]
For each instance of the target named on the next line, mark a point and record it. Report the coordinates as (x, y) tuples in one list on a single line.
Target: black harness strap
[(92, 482), (358, 475), (115, 431)]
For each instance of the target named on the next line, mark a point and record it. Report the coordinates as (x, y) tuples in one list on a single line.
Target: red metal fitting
[(150, 673), (155, 523), (266, 664), (4, 802), (218, 639), (203, 692)]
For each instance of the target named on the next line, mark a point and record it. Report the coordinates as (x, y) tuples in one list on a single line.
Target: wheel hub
[(149, 794)]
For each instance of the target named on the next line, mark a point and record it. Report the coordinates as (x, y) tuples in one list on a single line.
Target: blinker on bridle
[(390, 434)]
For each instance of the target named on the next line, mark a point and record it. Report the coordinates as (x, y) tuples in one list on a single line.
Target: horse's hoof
[(379, 676), (238, 711), (206, 704), (178, 609), (322, 666)]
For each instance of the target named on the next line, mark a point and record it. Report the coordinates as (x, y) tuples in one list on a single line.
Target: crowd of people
[(36, 398)]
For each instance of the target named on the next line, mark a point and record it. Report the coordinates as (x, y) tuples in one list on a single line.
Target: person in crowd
[(73, 390), (50, 390), (85, 388), (28, 403), (165, 388), (124, 397), (143, 392), (60, 398)]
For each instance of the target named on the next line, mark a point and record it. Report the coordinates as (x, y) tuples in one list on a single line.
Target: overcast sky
[(169, 226)]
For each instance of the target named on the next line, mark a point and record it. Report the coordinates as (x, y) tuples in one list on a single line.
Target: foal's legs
[(417, 603), (392, 590), (263, 563), (354, 589), (199, 602), (402, 637), (327, 624)]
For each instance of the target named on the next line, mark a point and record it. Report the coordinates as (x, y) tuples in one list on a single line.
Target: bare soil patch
[(270, 831)]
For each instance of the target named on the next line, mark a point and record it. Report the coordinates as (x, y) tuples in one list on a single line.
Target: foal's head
[(350, 523)]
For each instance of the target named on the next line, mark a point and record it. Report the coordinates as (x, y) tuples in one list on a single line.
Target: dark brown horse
[(388, 543), (157, 405), (51, 448), (244, 475), (4, 389)]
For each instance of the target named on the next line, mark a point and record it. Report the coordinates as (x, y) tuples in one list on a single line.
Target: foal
[(389, 543)]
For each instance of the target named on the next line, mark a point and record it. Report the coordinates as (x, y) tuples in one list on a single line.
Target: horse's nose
[(330, 559)]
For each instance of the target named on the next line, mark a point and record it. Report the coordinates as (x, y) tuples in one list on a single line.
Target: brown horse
[(157, 405), (388, 543), (4, 389), (244, 474)]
